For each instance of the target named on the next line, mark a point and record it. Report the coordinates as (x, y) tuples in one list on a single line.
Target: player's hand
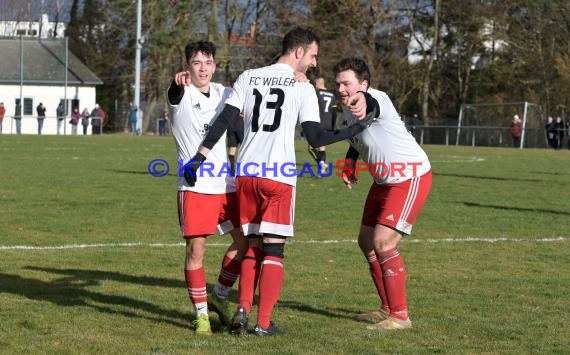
[(301, 77), (350, 179), (357, 105), (182, 78), (190, 169)]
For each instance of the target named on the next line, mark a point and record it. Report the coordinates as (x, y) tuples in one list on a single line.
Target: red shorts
[(266, 206), (396, 205), (201, 214)]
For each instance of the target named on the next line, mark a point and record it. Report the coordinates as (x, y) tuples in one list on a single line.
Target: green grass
[(487, 263)]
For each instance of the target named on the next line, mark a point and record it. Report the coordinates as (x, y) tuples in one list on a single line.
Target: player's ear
[(299, 52)]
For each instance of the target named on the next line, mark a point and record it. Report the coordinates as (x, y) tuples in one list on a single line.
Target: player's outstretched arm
[(318, 137), (362, 105), (176, 90)]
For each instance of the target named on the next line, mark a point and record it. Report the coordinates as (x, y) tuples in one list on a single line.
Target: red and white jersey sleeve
[(272, 103), (191, 120), (386, 145)]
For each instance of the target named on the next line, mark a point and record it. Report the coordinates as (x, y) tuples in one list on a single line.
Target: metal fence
[(481, 136)]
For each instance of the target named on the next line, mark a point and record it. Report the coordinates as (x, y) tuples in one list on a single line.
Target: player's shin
[(394, 274), (270, 281), (376, 274), (249, 273), (229, 273)]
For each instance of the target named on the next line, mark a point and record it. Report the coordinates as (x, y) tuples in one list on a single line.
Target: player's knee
[(274, 249)]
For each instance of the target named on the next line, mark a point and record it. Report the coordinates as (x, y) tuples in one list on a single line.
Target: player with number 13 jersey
[(272, 102)]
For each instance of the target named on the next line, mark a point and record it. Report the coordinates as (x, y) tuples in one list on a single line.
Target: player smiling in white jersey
[(211, 203), (395, 198)]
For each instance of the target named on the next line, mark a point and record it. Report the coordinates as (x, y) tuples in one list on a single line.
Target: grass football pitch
[(91, 259)]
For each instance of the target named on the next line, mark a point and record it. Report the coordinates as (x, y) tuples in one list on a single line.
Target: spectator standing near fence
[(75, 117), (516, 131), (567, 126), (133, 117), (2, 113), (18, 118), (85, 120), (60, 114), (96, 120), (559, 132), (551, 133), (41, 111)]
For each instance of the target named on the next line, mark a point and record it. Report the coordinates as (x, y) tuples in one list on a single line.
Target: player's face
[(201, 67), (347, 84), (309, 58)]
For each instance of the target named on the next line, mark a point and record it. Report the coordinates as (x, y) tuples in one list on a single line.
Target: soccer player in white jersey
[(402, 179), (272, 103), (211, 203)]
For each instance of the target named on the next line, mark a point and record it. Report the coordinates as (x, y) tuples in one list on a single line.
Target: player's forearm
[(227, 118), (318, 137), (175, 93), (372, 106), (352, 153)]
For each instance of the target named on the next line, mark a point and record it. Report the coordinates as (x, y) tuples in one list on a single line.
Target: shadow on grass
[(111, 275), (518, 209), (547, 173), (70, 291), (328, 312), (141, 172), (496, 178)]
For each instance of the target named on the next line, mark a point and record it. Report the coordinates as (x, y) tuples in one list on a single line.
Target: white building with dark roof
[(35, 71)]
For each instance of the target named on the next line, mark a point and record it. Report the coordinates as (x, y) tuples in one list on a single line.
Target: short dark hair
[(357, 65), (298, 37), (205, 47)]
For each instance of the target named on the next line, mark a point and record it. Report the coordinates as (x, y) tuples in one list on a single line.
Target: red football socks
[(376, 273), (229, 272), (394, 275), (250, 267), (196, 285), (270, 284)]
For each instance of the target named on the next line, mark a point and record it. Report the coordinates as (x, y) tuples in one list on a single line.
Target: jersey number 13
[(271, 105)]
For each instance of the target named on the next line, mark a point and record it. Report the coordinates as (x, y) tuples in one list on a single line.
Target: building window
[(28, 106), (20, 32), (68, 106)]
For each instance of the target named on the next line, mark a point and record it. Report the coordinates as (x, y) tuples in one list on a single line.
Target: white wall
[(50, 97)]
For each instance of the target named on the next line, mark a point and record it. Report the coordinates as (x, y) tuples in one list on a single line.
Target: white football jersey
[(191, 120), (272, 103), (391, 152)]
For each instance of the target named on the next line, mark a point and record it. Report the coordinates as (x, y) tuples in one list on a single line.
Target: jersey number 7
[(271, 105)]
